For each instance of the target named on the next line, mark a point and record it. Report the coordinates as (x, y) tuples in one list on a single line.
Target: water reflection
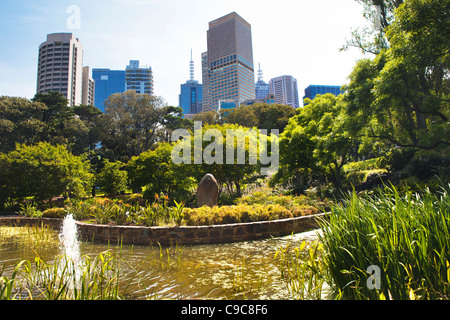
[(225, 271)]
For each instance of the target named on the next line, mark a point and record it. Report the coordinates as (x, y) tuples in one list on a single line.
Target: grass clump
[(407, 236)]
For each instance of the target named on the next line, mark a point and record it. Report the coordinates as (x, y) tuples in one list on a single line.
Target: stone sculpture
[(208, 191)]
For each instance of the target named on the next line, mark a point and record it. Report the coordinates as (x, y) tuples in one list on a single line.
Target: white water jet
[(71, 250)]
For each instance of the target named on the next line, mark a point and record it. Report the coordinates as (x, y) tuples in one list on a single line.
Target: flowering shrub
[(241, 213), (54, 213), (157, 213)]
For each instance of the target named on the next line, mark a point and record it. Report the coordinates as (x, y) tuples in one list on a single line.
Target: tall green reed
[(407, 236), (303, 271)]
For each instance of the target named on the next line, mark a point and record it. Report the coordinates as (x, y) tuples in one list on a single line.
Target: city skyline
[(166, 44)]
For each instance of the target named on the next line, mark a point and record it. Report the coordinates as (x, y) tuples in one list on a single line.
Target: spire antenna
[(191, 68), (260, 73)]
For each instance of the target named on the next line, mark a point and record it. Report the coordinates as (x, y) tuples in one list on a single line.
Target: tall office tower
[(228, 71), (285, 90), (262, 88), (139, 79), (107, 82), (60, 67), (191, 93), (88, 93), (314, 90)]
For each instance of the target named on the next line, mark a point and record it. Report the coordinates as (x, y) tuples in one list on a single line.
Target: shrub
[(112, 179), (59, 213), (235, 214), (43, 171), (297, 203), (29, 210)]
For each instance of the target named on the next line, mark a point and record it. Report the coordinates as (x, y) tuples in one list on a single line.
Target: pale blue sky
[(299, 38)]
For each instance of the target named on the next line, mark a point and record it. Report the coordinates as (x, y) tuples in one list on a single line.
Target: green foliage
[(8, 285), (372, 38), (59, 213), (178, 215), (261, 116), (401, 96), (298, 204), (21, 121), (97, 278), (29, 210), (245, 144), (317, 140), (112, 179), (131, 124), (238, 213), (407, 236), (303, 271), (43, 171), (47, 118), (155, 170)]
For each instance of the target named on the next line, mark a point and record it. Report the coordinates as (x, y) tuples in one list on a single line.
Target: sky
[(300, 38)]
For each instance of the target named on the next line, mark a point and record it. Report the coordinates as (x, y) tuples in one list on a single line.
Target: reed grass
[(407, 236), (302, 270)]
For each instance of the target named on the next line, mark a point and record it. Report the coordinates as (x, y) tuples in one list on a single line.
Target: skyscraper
[(285, 90), (107, 82), (88, 92), (262, 88), (227, 66), (139, 79), (60, 67), (191, 94), (314, 90)]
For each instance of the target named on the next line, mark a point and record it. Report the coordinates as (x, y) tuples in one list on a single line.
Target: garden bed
[(139, 235)]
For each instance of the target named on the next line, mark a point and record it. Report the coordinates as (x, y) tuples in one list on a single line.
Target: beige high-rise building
[(60, 67), (285, 90), (88, 92), (227, 66)]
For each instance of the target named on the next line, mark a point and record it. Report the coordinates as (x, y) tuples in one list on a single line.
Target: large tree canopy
[(130, 124), (403, 95), (317, 140)]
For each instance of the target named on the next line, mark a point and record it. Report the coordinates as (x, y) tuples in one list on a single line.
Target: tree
[(21, 121), (231, 153), (209, 117), (131, 124), (261, 116), (172, 119), (402, 96), (372, 38), (155, 171), (43, 171), (56, 104), (317, 140), (74, 127), (112, 178)]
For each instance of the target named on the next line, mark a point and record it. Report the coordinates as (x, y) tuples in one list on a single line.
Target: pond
[(225, 271)]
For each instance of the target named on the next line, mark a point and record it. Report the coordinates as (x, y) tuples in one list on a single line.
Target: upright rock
[(208, 191)]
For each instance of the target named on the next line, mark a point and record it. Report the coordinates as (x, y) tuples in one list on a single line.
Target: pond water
[(225, 271)]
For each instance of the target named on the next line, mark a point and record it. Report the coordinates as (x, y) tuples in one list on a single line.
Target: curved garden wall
[(182, 235)]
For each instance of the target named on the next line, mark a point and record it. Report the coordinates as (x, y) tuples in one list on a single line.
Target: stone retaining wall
[(181, 235)]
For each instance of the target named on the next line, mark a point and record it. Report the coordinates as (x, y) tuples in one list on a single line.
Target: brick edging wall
[(138, 235)]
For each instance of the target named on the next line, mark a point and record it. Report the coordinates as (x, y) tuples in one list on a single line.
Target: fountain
[(71, 250)]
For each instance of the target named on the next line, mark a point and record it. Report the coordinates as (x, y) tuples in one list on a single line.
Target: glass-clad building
[(314, 90), (191, 97), (107, 82)]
